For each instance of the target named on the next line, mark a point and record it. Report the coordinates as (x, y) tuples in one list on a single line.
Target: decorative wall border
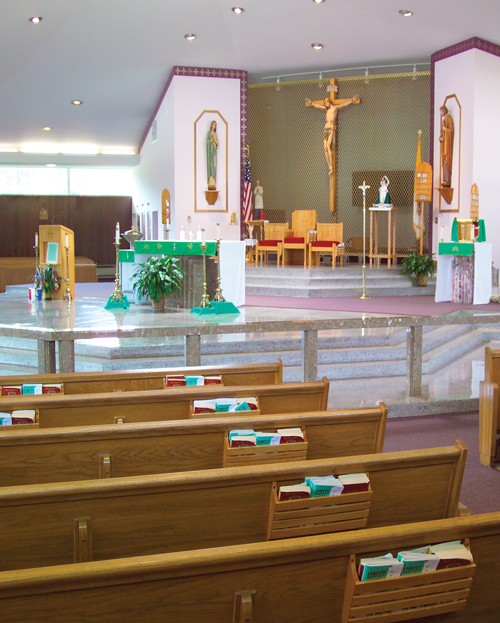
[(206, 72), (458, 48)]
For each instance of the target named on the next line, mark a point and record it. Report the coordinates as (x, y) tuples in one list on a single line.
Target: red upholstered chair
[(298, 239), (328, 238), (273, 240)]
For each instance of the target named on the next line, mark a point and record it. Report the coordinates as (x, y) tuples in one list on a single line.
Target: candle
[(218, 231), (117, 238), (203, 235), (66, 241), (36, 240)]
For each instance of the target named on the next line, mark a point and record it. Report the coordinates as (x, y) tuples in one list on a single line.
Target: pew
[(489, 425), (295, 581), (61, 523), (119, 407), (491, 365), (144, 380), (89, 452)]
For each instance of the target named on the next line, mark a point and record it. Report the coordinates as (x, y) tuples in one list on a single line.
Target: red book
[(12, 390), (56, 388), (213, 380), (176, 381)]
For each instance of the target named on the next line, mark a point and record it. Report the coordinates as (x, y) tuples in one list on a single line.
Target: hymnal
[(24, 416), (204, 406), (213, 380), (379, 568), (291, 435), (32, 389), (12, 390), (53, 388), (294, 492), (354, 483), (175, 381)]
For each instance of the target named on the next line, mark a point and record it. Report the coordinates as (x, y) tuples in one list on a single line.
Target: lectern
[(52, 241)]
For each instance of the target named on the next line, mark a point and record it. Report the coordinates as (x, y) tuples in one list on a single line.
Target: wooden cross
[(330, 131)]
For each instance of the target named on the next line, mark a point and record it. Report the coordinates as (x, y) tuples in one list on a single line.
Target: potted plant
[(419, 266), (47, 281), (157, 278)]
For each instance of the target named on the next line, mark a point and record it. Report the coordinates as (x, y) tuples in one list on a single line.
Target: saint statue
[(330, 124), (212, 144), (384, 198), (259, 201), (446, 140)]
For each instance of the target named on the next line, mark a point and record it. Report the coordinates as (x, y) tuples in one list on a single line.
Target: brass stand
[(218, 298), (364, 188), (36, 255), (67, 294), (117, 293), (205, 299)]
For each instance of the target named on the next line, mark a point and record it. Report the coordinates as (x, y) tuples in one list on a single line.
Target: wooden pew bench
[(62, 523), (175, 404), (89, 452), (489, 406), (154, 379), (293, 581)]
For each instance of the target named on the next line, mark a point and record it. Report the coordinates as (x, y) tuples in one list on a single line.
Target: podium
[(52, 241)]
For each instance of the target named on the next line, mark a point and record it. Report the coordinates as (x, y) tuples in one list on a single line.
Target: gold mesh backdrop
[(378, 136)]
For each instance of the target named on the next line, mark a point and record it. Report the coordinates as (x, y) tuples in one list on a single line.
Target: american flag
[(247, 190)]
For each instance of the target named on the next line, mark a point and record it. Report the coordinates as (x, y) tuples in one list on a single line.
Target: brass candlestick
[(364, 188), (67, 294), (117, 292), (36, 255), (205, 299), (218, 298)]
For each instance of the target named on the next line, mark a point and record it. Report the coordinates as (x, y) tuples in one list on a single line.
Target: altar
[(232, 269), (464, 272)]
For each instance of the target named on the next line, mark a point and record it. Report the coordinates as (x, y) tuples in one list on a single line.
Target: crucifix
[(331, 106)]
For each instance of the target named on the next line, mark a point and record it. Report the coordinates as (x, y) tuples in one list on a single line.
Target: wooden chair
[(329, 236), (298, 238), (273, 239)]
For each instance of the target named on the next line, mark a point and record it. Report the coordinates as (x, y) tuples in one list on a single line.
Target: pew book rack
[(192, 414), (405, 597), (310, 516), (260, 455)]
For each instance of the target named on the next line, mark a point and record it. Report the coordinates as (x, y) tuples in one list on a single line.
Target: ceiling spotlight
[(318, 1), (238, 10), (317, 46), (76, 102), (51, 165), (190, 37), (278, 85), (406, 13), (36, 19), (47, 128)]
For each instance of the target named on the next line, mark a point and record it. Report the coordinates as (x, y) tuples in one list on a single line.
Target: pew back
[(145, 380), (489, 424), (79, 453), (103, 519), (175, 404), (299, 580), (491, 365)]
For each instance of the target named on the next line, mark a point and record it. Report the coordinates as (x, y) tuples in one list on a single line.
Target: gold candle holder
[(218, 298), (117, 292), (67, 294), (205, 299)]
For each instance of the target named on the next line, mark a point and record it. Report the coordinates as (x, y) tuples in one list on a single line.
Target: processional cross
[(331, 106)]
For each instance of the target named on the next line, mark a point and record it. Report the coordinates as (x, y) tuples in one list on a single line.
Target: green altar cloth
[(173, 247), (126, 256), (455, 248)]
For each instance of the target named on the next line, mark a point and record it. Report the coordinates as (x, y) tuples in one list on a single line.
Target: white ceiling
[(116, 55)]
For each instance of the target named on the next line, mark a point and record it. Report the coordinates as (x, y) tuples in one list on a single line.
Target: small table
[(391, 234), (258, 226)]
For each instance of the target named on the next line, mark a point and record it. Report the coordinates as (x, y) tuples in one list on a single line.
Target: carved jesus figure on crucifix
[(331, 106)]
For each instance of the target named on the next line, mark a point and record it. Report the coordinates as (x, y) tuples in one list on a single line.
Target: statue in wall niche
[(446, 141), (212, 145)]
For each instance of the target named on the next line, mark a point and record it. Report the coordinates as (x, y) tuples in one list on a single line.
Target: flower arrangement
[(47, 280)]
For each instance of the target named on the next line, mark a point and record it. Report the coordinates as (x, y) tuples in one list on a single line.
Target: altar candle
[(218, 231), (203, 235), (117, 237), (36, 240), (66, 241)]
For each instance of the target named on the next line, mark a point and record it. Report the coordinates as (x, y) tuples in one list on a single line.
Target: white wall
[(474, 77), (170, 161)]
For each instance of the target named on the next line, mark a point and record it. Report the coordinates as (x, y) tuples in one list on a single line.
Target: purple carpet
[(398, 305), (481, 484)]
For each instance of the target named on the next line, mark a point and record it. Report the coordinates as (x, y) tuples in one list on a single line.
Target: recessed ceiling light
[(47, 128), (238, 10), (76, 102), (406, 13), (190, 37), (51, 165), (318, 1), (36, 19), (317, 46)]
